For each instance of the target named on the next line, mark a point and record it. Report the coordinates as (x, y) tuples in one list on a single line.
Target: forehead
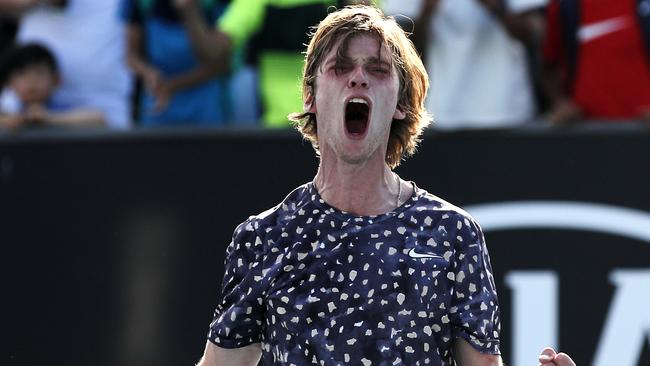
[(359, 47)]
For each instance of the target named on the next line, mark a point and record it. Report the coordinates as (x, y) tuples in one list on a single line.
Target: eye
[(340, 68), (379, 69)]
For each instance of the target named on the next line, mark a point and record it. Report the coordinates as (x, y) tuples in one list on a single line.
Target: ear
[(399, 113), (309, 105)]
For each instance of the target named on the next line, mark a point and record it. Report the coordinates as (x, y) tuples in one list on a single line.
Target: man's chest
[(373, 276)]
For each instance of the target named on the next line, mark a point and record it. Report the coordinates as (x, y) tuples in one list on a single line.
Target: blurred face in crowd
[(34, 84), (355, 101)]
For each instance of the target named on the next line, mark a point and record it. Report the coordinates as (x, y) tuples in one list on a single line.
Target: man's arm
[(466, 355), (555, 71), (217, 356), (154, 81), (76, 118), (134, 59), (563, 109), (211, 45), (527, 26), (166, 89), (79, 117), (421, 24)]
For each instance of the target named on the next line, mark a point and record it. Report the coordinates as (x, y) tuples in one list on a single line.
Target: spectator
[(475, 52), (88, 42), (277, 31), (177, 88), (596, 61), (33, 75)]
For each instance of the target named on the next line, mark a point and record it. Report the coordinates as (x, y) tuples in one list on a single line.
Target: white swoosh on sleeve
[(589, 32)]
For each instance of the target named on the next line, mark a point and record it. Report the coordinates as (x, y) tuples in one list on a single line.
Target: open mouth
[(356, 117)]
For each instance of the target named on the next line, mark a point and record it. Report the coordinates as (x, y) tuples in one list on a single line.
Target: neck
[(368, 188)]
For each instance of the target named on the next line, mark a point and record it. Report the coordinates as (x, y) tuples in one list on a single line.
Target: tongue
[(356, 126)]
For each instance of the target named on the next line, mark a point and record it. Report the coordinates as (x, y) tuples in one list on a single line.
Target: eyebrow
[(375, 60), (371, 60), (333, 60)]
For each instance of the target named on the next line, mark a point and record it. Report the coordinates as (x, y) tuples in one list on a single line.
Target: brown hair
[(352, 21)]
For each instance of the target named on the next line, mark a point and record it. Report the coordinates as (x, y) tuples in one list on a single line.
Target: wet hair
[(353, 21), (22, 57)]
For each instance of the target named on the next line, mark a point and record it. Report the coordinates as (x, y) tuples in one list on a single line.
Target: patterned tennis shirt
[(316, 285)]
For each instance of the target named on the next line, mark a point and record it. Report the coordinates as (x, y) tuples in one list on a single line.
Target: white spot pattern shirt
[(316, 285)]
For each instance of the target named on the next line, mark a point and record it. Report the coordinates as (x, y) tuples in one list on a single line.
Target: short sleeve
[(475, 311), (239, 317)]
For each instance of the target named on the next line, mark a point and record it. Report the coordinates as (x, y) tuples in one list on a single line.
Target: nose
[(358, 78)]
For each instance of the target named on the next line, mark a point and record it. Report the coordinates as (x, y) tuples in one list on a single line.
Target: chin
[(359, 154), (353, 160)]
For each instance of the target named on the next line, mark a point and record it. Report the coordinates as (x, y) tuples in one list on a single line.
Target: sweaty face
[(356, 101), (34, 84)]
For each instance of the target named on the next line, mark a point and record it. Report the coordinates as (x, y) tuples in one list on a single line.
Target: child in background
[(32, 74)]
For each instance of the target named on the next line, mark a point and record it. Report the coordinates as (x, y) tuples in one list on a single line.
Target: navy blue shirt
[(314, 284)]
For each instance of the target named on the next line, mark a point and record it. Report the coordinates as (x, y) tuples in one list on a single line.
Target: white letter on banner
[(628, 320), (534, 320)]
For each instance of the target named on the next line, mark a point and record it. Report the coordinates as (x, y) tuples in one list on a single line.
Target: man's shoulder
[(429, 203), (279, 214), (436, 203)]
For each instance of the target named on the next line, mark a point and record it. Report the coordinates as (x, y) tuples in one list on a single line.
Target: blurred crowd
[(125, 64)]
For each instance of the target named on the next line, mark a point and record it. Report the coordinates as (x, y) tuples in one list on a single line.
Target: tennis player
[(358, 266)]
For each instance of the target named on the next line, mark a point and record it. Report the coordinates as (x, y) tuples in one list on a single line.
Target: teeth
[(357, 100)]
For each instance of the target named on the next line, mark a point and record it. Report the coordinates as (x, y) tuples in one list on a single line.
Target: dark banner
[(112, 245)]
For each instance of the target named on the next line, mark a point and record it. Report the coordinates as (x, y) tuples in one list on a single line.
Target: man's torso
[(339, 289)]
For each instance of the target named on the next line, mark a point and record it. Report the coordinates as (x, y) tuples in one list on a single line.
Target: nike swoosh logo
[(589, 32), (414, 254)]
